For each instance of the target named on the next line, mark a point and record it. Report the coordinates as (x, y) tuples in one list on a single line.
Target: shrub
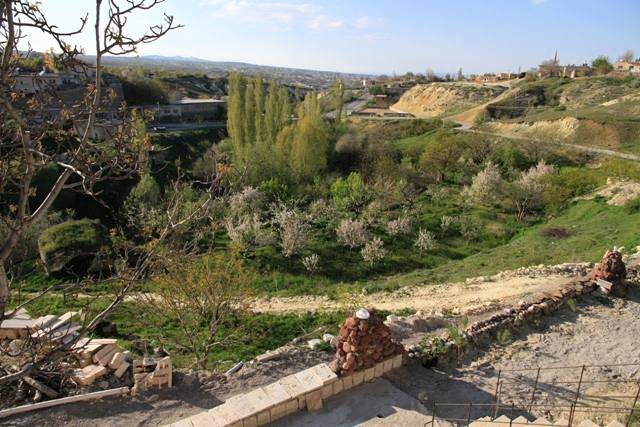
[(248, 232), (350, 193), (63, 243), (486, 186), (399, 226), (425, 241), (351, 233), (469, 228), (247, 201), (294, 230), (446, 222), (311, 263), (373, 251), (632, 205)]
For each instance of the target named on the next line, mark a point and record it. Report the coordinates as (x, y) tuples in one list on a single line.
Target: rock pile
[(363, 341), (611, 268)]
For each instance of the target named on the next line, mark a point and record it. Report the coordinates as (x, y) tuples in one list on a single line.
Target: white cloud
[(284, 15), (323, 22)]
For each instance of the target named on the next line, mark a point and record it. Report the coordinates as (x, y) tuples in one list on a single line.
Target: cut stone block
[(277, 393), (325, 373), (121, 369), (185, 422), (278, 411), (204, 419), (104, 351), (585, 423), (292, 407), (264, 418), (241, 406), (327, 391), (358, 378), (520, 421), (387, 365), (314, 400), (116, 360), (378, 370), (369, 374), (309, 380), (347, 382), (259, 400), (292, 385), (226, 415), (397, 361), (338, 386)]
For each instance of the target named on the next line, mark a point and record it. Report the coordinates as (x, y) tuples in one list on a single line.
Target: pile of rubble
[(566, 269), (364, 341), (403, 326), (611, 269)]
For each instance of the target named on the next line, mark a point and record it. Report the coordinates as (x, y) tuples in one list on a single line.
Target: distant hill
[(290, 76)]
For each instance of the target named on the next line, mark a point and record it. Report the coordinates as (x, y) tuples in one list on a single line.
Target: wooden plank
[(47, 391), (63, 401), (116, 360), (107, 349)]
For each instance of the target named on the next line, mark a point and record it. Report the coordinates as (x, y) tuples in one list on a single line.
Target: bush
[(399, 226), (64, 243), (294, 230), (373, 251), (351, 233), (350, 193), (633, 205), (486, 186), (425, 241)]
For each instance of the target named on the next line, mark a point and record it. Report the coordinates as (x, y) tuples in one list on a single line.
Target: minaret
[(555, 58)]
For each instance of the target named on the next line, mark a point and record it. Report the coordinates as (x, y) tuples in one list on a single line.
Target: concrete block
[(292, 385), (309, 380), (358, 378), (347, 382), (314, 400), (378, 370), (240, 406), (387, 365), (369, 374), (397, 361), (325, 373), (338, 386), (226, 415), (327, 391), (302, 402)]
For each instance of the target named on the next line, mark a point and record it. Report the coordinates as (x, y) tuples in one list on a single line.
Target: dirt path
[(452, 297)]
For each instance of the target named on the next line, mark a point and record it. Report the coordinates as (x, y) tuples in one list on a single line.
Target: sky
[(381, 36)]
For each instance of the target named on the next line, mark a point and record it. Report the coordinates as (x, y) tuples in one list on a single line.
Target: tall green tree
[(249, 114), (338, 96), (271, 112), (260, 106), (235, 109)]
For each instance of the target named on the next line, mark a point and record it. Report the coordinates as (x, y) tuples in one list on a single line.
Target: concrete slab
[(378, 403)]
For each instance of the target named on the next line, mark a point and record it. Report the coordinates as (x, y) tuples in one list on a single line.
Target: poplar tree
[(271, 113), (235, 109), (260, 106), (249, 114), (338, 94)]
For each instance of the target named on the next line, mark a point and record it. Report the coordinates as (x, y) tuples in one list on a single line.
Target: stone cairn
[(364, 341), (611, 268)]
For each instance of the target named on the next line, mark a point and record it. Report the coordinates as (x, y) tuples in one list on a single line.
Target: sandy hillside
[(438, 99)]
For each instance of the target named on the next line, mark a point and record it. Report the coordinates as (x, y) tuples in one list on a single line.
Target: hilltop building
[(627, 67)]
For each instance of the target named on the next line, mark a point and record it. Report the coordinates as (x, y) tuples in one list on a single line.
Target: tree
[(627, 56), (440, 158), (350, 192), (486, 185), (197, 297), (526, 193), (602, 64), (351, 233), (460, 76), (271, 113), (294, 230), (373, 251), (80, 160), (258, 85), (235, 110), (249, 114), (338, 95)]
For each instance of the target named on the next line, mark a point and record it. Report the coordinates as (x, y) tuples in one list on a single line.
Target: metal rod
[(495, 414), (535, 387), (469, 414), (633, 406), (433, 415), (571, 414), (575, 401)]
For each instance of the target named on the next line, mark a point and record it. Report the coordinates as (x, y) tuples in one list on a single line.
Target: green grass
[(593, 225)]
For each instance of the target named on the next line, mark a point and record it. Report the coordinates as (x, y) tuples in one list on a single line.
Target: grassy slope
[(594, 225)]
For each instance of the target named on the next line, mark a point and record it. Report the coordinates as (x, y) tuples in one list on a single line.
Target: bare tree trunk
[(4, 291)]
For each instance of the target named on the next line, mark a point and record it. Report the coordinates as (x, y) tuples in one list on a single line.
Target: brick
[(327, 391), (325, 373), (378, 370), (338, 386), (387, 365), (277, 393), (397, 361), (358, 378), (309, 380), (264, 417), (314, 400), (369, 374), (347, 382)]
